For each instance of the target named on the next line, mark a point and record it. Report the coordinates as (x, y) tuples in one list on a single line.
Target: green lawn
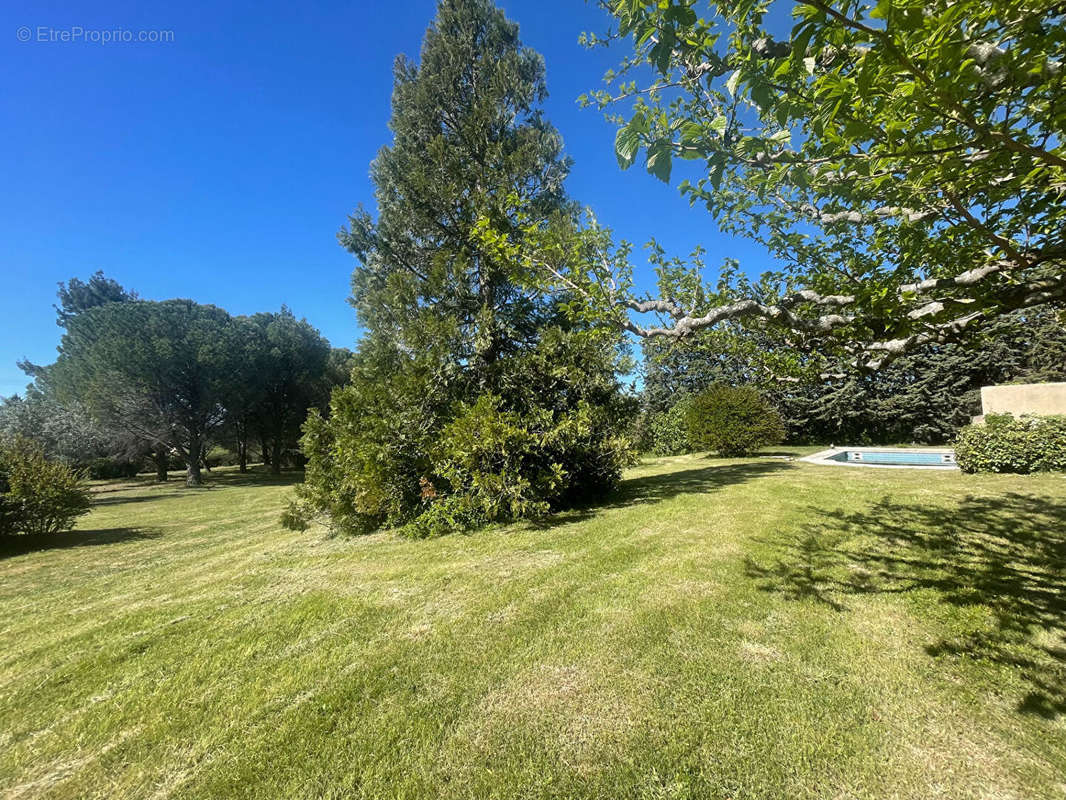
[(721, 629)]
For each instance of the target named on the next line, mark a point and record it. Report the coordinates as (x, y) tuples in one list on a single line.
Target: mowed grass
[(719, 629)]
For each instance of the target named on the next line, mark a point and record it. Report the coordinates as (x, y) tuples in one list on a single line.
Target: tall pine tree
[(469, 142), (472, 397)]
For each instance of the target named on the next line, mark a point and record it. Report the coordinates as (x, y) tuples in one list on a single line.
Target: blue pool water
[(899, 458)]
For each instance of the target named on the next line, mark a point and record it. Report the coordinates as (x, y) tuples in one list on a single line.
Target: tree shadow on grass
[(120, 492), (656, 488), (1004, 558), (652, 489), (20, 544), (255, 476), (121, 499)]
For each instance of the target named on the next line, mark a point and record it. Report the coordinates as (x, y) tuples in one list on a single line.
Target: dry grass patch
[(574, 713)]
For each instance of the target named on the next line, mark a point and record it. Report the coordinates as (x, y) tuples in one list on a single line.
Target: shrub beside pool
[(1008, 444)]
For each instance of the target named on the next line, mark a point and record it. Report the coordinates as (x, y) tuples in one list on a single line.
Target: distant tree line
[(139, 380), (925, 396)]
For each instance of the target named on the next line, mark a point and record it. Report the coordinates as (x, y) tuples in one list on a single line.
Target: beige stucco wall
[(1024, 398)]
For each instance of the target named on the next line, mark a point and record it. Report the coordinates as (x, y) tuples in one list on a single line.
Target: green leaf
[(762, 96), (801, 39), (660, 161), (880, 11), (680, 15), (717, 168), (731, 84), (626, 145)]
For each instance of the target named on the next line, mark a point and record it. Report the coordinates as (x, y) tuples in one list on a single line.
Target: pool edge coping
[(823, 457)]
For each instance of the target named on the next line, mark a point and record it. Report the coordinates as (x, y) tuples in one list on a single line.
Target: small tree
[(733, 420), (38, 496)]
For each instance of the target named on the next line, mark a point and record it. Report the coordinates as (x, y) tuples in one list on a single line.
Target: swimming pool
[(931, 458)]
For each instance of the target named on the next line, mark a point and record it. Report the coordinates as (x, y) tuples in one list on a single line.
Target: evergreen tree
[(63, 427), (469, 143), (157, 369), (289, 378), (76, 295), (473, 397)]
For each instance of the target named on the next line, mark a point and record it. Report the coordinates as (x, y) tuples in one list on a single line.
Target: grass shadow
[(20, 544), (656, 488), (1002, 557), (117, 498), (118, 492), (255, 476), (802, 571), (652, 489)]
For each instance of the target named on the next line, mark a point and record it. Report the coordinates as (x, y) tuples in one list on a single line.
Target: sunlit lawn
[(721, 629)]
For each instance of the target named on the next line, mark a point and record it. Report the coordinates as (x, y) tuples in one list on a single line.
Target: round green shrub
[(38, 496), (1008, 444), (493, 465), (733, 420)]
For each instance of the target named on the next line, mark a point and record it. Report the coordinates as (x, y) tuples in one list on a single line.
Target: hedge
[(1008, 444)]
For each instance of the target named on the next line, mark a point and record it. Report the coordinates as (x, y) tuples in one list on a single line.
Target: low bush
[(366, 457), (220, 457), (109, 468), (1008, 444), (493, 465), (665, 433), (38, 496), (415, 446), (732, 420)]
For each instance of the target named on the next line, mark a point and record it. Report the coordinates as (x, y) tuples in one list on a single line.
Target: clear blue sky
[(219, 166)]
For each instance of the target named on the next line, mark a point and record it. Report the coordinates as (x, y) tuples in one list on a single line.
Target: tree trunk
[(265, 449), (242, 447), (275, 461), (161, 458), (192, 473), (192, 463)]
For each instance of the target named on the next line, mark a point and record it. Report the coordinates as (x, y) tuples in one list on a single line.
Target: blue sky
[(220, 165)]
